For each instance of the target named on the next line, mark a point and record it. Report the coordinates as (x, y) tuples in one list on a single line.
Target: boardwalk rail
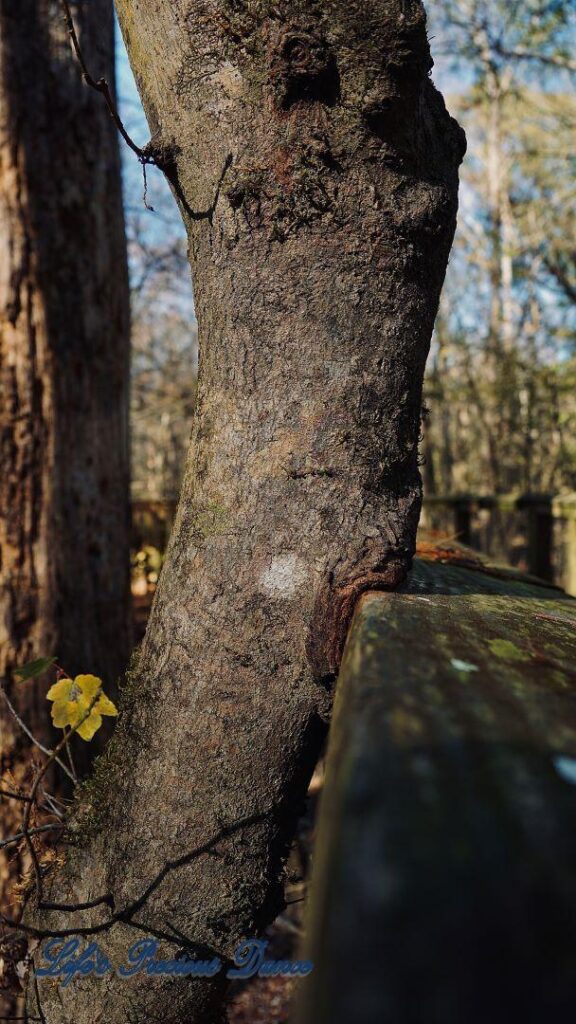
[(444, 888), (543, 513)]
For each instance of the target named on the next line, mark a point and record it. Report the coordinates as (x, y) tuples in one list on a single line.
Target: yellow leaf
[(104, 706), (60, 690), (61, 714), (80, 703), (90, 726), (89, 685)]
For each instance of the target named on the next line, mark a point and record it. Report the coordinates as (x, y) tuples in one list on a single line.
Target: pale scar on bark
[(286, 575)]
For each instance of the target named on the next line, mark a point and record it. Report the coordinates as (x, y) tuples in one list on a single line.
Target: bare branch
[(37, 994), (30, 735), (28, 807), (31, 832), (101, 86), (14, 796), (126, 915), (552, 59)]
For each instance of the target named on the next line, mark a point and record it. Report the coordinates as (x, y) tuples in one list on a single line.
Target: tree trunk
[(64, 351), (316, 170)]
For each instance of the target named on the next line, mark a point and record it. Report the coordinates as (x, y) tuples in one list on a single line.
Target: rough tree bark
[(64, 344), (316, 169), (64, 347)]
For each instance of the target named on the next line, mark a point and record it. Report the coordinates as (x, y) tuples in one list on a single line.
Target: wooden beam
[(444, 889)]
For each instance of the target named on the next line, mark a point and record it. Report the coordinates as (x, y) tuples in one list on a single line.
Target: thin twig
[(145, 192), (101, 85), (187, 858), (554, 60), (28, 807), (14, 796), (70, 758), (72, 908), (51, 806), (37, 993), (30, 735), (31, 832)]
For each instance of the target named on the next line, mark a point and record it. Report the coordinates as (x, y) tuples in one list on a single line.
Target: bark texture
[(316, 169), (64, 347), (64, 350)]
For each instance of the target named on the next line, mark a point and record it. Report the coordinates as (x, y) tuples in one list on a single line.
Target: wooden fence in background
[(535, 531)]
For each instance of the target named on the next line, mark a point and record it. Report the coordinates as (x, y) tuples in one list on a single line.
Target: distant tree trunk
[(316, 170), (64, 357)]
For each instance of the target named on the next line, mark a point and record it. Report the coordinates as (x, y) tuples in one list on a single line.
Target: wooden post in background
[(463, 519), (540, 534)]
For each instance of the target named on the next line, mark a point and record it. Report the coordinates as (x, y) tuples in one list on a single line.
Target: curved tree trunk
[(64, 350), (316, 170)]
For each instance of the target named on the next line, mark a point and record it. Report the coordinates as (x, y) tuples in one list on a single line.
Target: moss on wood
[(445, 881)]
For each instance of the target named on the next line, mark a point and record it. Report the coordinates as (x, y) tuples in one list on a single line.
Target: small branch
[(562, 278), (14, 796), (72, 908), (28, 807), (187, 858), (37, 994), (30, 736), (70, 758), (553, 60), (101, 86), (31, 832), (51, 805)]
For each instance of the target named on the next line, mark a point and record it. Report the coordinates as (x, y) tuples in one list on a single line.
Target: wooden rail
[(444, 885), (542, 511)]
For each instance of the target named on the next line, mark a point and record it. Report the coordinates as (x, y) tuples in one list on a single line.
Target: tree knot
[(303, 68)]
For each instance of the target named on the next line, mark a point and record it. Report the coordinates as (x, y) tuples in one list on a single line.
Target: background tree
[(65, 344), (316, 170), (500, 384), (64, 357)]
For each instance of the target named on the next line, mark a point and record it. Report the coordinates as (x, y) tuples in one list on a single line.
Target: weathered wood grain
[(445, 882)]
